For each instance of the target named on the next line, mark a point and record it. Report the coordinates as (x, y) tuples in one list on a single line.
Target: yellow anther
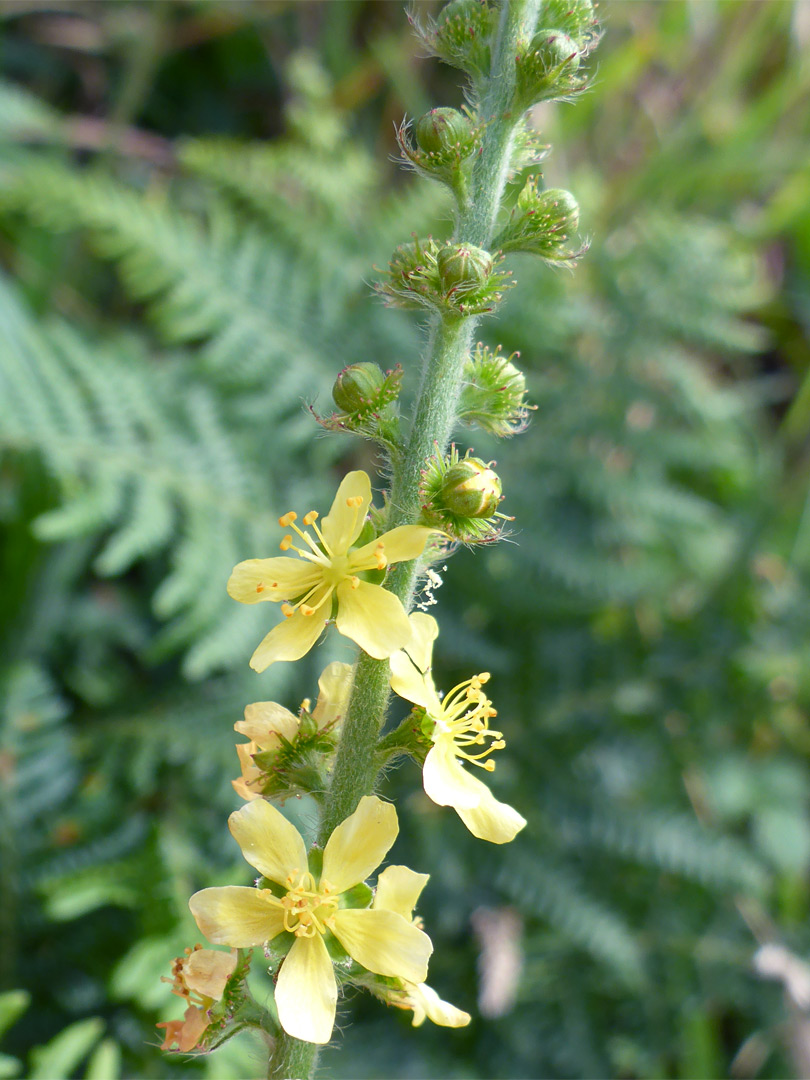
[(288, 519), (354, 501), (286, 542), (287, 610), (305, 609), (311, 517), (260, 587), (306, 705), (379, 552), (488, 765), (355, 582)]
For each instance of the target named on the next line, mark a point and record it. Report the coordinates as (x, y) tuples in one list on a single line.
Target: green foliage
[(165, 312)]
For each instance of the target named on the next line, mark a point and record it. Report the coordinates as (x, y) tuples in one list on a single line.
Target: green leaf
[(62, 1054)]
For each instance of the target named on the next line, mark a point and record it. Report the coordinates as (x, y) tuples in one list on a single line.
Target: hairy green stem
[(451, 339), (450, 342), (292, 1059)]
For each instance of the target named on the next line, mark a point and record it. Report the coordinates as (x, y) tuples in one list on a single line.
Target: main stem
[(450, 343)]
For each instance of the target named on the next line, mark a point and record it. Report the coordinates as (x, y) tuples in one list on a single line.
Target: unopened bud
[(556, 208), (442, 129), (555, 48), (462, 266), (576, 18), (357, 387), (471, 489), (462, 34), (544, 223)]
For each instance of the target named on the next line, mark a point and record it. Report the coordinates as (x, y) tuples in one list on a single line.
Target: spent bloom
[(328, 564), (460, 733), (398, 889), (199, 978), (270, 726), (311, 906)]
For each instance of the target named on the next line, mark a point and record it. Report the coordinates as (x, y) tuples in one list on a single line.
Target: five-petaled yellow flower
[(266, 723), (460, 733), (326, 565), (398, 889), (310, 906)]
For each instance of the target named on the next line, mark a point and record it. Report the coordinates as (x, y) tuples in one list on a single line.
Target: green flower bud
[(442, 129), (493, 395), (461, 497), (548, 68), (470, 489), (576, 18), (543, 222), (358, 387), (462, 266), (461, 35), (557, 208), (555, 48)]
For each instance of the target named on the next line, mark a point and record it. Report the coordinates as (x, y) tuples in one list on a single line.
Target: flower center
[(308, 910), (465, 715), (334, 566)]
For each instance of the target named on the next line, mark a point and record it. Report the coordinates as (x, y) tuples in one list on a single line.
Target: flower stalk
[(320, 923)]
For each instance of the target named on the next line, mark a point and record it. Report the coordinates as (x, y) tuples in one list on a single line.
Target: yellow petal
[(268, 841), (208, 970), (399, 545), (272, 579), (335, 686), (398, 889), (372, 617), (426, 1002), (265, 720), (343, 524), (290, 640), (359, 844), (445, 779), (410, 666), (492, 820), (306, 991), (383, 942), (237, 916)]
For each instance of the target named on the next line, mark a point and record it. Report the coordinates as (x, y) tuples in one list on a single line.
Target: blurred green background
[(192, 198)]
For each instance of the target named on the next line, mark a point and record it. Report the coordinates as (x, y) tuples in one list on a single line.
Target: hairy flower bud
[(463, 266), (555, 48), (442, 129), (357, 387), (461, 496), (576, 18), (542, 222), (547, 70), (471, 489), (461, 35), (493, 395), (451, 278)]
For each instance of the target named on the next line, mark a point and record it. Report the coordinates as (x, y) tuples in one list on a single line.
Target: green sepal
[(411, 738), (337, 953), (315, 859), (276, 949), (359, 896)]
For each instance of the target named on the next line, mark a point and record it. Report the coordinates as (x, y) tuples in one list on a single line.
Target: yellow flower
[(398, 889), (460, 733), (366, 613), (309, 907), (268, 724), (199, 978)]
